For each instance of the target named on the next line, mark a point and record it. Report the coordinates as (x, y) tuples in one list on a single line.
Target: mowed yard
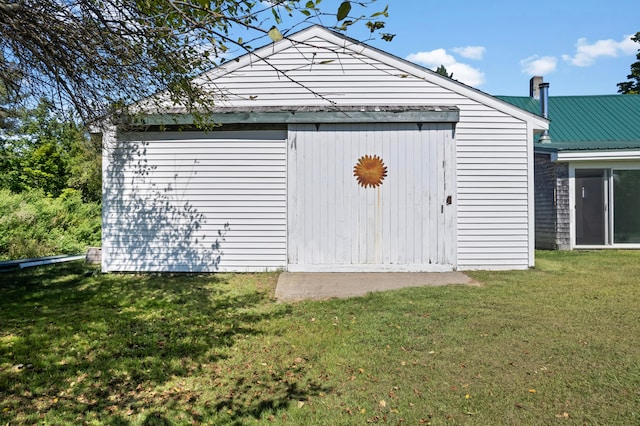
[(559, 344)]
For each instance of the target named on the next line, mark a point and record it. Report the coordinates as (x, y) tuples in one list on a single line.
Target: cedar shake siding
[(551, 204)]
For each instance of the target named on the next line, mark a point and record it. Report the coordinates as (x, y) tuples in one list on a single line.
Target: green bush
[(33, 225)]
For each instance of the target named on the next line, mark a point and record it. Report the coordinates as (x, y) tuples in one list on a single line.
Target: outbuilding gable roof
[(604, 122)]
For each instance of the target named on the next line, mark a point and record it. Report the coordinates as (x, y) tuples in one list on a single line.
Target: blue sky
[(580, 47)]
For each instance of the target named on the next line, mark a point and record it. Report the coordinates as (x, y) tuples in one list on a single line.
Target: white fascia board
[(595, 155), (537, 122)]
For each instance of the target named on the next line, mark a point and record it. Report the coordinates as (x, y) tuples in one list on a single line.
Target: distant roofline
[(582, 123), (618, 95)]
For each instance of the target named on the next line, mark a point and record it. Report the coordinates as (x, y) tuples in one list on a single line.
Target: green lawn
[(559, 344)]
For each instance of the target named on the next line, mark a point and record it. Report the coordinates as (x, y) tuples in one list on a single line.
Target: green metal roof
[(605, 122)]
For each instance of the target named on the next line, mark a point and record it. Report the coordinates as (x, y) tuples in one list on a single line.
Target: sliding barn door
[(371, 197)]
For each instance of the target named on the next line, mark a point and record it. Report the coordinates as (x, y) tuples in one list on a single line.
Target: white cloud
[(586, 54), (470, 52), (628, 46), (461, 72), (433, 58), (536, 65)]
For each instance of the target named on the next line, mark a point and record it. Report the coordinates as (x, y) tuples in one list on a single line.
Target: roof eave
[(316, 115)]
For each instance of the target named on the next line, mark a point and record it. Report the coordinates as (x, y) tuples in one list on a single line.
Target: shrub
[(32, 224)]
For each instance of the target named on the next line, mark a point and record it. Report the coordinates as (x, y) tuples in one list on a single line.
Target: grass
[(558, 344)]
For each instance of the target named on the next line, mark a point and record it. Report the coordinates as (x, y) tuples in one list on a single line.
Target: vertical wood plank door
[(407, 222)]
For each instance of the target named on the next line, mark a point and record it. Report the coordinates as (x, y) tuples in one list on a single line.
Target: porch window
[(626, 206)]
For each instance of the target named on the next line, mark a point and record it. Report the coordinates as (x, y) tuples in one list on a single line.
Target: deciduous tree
[(93, 56), (45, 152)]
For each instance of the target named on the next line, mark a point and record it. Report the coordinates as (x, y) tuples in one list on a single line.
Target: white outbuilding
[(331, 156)]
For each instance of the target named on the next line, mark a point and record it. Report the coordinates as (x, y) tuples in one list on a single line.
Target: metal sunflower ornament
[(370, 171)]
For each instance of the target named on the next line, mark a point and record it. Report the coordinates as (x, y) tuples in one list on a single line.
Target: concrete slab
[(294, 286)]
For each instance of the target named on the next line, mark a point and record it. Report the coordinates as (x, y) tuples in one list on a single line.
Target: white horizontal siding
[(494, 223), (195, 201)]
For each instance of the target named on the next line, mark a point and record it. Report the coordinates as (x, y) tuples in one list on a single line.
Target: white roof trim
[(537, 122), (595, 155)]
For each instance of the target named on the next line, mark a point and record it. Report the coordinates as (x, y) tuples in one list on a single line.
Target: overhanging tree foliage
[(91, 57), (633, 85)]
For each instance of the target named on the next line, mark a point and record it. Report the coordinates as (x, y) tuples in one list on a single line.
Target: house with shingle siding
[(587, 173)]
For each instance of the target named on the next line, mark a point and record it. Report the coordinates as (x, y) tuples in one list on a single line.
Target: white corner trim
[(531, 220)]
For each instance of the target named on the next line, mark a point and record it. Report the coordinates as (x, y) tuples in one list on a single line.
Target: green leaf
[(310, 5), (343, 10), (387, 36), (275, 34), (383, 13), (375, 26), (276, 16), (345, 25), (305, 12)]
